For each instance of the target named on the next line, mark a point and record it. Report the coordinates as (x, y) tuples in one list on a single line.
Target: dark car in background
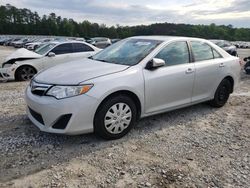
[(3, 40), (227, 46)]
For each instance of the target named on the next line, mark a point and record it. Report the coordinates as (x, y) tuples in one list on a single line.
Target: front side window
[(44, 48), (127, 52), (175, 53), (201, 51), (63, 49)]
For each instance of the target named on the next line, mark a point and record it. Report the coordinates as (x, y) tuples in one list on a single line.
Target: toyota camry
[(137, 77)]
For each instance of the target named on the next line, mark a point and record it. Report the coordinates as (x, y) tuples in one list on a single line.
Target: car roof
[(67, 41), (165, 38)]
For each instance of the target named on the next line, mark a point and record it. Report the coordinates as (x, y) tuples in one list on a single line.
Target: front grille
[(37, 116), (39, 89), (62, 122)]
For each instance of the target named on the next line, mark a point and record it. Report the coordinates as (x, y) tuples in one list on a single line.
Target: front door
[(170, 86)]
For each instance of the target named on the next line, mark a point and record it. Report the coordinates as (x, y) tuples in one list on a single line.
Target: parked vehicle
[(20, 43), (24, 64), (134, 78), (227, 46), (36, 44), (3, 40), (247, 65), (10, 41), (100, 42)]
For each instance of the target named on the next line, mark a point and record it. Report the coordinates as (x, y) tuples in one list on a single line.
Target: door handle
[(222, 65), (189, 71)]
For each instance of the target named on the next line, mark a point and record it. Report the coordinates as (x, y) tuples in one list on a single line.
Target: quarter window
[(175, 53), (63, 49), (216, 54), (201, 51)]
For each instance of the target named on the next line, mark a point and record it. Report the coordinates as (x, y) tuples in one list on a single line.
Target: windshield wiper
[(102, 60)]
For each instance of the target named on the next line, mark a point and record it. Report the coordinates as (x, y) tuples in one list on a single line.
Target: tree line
[(25, 22)]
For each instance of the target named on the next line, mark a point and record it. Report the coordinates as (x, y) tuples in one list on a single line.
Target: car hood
[(75, 72), (23, 54)]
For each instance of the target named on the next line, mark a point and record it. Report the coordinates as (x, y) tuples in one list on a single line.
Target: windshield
[(45, 48), (127, 52)]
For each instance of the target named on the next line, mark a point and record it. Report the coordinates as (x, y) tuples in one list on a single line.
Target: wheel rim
[(223, 93), (118, 118), (27, 73)]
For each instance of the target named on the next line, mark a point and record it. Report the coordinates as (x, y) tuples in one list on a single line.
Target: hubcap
[(27, 73), (118, 118)]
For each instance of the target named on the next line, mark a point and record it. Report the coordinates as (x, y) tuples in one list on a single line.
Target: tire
[(25, 73), (247, 67), (112, 123), (222, 94)]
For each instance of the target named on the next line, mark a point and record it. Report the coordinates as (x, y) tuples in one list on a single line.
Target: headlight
[(7, 65), (61, 92)]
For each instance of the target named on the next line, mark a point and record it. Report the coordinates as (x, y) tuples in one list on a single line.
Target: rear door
[(170, 86), (209, 66)]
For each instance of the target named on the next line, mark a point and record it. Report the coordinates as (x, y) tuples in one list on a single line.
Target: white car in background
[(34, 45), (100, 42), (23, 64)]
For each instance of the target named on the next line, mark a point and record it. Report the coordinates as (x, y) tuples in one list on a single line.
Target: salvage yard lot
[(198, 146)]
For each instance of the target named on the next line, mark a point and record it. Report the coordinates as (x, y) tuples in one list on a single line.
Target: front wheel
[(222, 94), (25, 73), (115, 117)]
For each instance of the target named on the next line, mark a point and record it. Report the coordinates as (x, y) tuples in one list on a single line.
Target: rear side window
[(63, 49), (79, 47), (175, 53), (201, 51)]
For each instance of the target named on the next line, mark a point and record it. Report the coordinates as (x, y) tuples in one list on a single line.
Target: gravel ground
[(198, 146)]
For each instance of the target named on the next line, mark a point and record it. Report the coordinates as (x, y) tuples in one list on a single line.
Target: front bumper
[(7, 73), (80, 108)]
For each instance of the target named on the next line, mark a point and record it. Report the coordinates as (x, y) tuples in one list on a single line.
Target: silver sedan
[(134, 78)]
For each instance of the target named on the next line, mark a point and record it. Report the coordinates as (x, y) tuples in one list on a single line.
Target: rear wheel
[(115, 117), (222, 94), (25, 73)]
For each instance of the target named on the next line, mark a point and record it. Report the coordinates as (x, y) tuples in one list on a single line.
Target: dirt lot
[(198, 146)]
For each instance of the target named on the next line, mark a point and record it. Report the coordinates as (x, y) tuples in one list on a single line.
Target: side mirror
[(155, 63), (51, 54)]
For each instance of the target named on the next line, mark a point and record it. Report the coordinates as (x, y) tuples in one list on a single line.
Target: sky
[(137, 12)]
